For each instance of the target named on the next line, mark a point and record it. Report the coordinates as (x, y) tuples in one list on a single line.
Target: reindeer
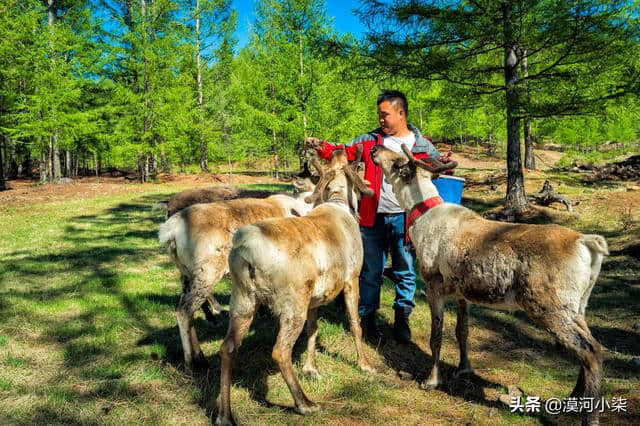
[(199, 240), (294, 265), (547, 271)]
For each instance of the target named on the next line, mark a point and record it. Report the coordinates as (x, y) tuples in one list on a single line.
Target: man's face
[(391, 118)]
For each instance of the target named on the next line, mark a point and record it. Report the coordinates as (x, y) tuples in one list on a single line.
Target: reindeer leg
[(189, 303), (196, 292), (351, 302), (462, 333), (290, 328), (578, 390), (574, 335), (212, 309), (309, 367), (214, 272), (238, 326), (436, 303)]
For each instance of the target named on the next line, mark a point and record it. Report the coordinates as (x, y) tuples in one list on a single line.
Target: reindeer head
[(409, 177), (305, 181), (340, 181)]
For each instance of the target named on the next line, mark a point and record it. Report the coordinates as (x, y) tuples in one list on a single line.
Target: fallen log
[(547, 195)]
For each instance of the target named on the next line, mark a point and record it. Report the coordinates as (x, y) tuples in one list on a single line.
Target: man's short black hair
[(394, 96)]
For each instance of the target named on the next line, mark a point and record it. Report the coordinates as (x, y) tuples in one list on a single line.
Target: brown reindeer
[(199, 240), (546, 271), (294, 265)]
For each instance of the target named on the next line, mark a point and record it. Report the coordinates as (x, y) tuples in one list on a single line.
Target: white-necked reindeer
[(548, 271), (294, 265)]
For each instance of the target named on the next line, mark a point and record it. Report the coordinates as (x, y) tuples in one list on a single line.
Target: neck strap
[(420, 209)]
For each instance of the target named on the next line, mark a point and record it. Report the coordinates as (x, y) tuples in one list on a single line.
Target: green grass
[(88, 334)]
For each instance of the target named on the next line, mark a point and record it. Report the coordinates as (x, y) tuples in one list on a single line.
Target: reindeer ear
[(302, 184)]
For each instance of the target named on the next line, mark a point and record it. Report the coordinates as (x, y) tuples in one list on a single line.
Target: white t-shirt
[(388, 201)]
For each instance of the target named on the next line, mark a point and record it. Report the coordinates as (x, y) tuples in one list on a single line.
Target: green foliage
[(116, 85)]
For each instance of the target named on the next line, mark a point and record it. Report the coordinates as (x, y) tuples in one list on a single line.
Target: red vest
[(372, 173)]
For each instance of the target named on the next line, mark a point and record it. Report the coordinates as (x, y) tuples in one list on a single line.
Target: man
[(382, 220)]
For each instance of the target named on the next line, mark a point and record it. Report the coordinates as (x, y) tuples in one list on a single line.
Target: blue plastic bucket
[(450, 188)]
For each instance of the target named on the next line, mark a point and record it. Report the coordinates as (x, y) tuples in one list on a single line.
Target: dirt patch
[(468, 158), (25, 192)]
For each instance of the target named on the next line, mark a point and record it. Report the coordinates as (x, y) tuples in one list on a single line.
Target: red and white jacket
[(422, 149)]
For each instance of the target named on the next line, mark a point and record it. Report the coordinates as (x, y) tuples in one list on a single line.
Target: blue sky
[(340, 10)]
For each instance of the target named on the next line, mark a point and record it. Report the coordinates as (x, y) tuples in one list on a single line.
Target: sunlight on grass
[(88, 334)]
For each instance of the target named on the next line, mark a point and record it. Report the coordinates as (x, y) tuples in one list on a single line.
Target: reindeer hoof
[(311, 372), (224, 421), (429, 384), (308, 408)]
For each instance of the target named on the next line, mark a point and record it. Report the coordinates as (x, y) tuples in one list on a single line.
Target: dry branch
[(547, 195)]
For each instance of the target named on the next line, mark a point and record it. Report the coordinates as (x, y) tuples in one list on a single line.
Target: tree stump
[(547, 195)]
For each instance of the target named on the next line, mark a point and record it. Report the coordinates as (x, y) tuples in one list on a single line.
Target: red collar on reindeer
[(418, 210)]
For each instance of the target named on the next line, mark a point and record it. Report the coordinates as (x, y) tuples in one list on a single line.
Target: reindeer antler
[(359, 150), (325, 178), (437, 165), (318, 166), (361, 185)]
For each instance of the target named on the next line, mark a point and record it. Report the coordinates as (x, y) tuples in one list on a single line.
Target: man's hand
[(311, 142)]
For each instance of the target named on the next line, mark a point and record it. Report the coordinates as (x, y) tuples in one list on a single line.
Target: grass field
[(88, 332)]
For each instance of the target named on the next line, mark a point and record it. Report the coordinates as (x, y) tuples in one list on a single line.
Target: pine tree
[(478, 45)]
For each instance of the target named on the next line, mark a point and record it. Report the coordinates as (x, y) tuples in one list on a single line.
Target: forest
[(118, 117), (151, 86)]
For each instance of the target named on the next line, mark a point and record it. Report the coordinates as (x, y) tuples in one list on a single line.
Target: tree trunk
[(166, 167), (273, 130), (2, 184), (96, 165), (145, 68), (67, 164), (55, 151), (154, 165), (141, 167), (13, 163), (3, 146), (44, 164), (27, 164), (283, 156), (227, 142), (516, 198), (204, 161), (529, 159), (303, 100), (57, 171)]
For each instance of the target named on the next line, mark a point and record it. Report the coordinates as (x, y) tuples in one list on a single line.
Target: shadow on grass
[(479, 205), (102, 247), (99, 254), (410, 358)]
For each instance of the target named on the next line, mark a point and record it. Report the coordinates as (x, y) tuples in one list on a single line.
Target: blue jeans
[(387, 234)]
